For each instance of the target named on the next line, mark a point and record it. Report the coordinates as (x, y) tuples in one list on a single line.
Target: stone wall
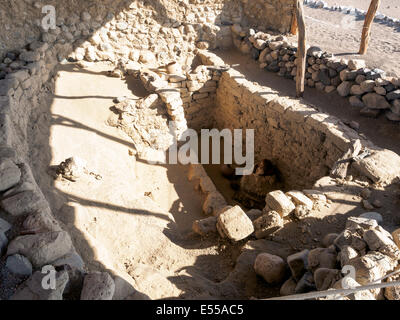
[(367, 89), (276, 15)]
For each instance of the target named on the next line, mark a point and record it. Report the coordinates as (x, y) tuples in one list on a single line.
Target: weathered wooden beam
[(293, 28), (301, 50), (366, 32)]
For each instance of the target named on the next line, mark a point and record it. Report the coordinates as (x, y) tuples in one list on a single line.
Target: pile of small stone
[(370, 90), (364, 245)]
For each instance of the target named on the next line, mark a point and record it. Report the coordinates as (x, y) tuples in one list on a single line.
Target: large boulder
[(382, 166), (33, 289), (235, 224), (42, 248), (272, 268), (98, 286)]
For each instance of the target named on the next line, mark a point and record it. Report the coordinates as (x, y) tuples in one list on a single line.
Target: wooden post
[(366, 32), (301, 50), (293, 28)]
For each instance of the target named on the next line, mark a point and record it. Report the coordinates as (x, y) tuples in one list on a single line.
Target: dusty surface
[(113, 223), (340, 34)]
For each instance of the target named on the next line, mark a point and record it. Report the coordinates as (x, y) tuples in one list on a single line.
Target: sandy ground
[(390, 8), (340, 34)]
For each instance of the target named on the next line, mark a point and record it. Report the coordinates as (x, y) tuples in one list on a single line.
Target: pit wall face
[(302, 142), (369, 90)]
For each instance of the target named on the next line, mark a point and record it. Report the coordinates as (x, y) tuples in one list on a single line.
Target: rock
[(72, 168), (235, 224), (3, 242), (206, 226), (312, 51), (41, 221), (356, 102), (351, 283), (393, 293), (41, 248), (19, 265), (325, 278), (272, 268), (315, 195), (298, 263), (351, 238), (392, 116), (393, 95), (356, 90), (366, 205), (377, 204), (301, 212), (356, 64), (24, 202), (9, 174), (288, 288), (344, 88), (378, 241), (396, 237), (214, 203), (322, 258), (30, 56), (207, 186), (277, 201), (202, 45), (346, 255), (299, 198), (254, 214), (361, 222), (380, 90), (372, 215), (371, 267), (365, 193), (98, 286), (305, 284), (125, 290), (4, 226), (348, 75), (367, 85), (73, 260), (267, 224), (395, 108), (375, 101), (32, 289), (381, 166), (328, 240)]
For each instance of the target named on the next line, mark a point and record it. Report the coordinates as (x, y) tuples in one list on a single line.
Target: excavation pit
[(161, 230)]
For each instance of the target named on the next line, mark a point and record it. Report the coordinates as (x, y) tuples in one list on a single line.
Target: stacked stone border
[(368, 89)]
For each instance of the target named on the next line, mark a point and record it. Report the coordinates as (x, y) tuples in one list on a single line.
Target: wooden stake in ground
[(301, 50), (369, 18), (293, 28)]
